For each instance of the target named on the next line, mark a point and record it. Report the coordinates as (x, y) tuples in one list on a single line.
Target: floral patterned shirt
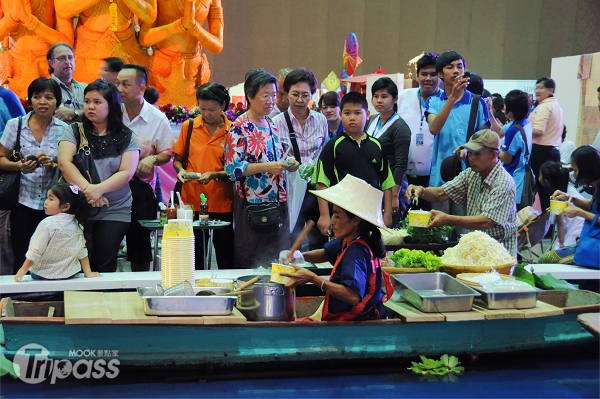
[(247, 143)]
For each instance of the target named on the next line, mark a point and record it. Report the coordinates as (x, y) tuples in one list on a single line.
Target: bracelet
[(322, 285), (155, 158)]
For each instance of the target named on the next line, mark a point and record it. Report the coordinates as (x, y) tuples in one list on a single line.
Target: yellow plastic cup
[(558, 207), (178, 228), (277, 268), (418, 218)]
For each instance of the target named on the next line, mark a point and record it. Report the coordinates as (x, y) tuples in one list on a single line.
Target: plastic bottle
[(203, 216), (163, 214)]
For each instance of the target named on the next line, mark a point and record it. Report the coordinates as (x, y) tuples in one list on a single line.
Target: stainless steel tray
[(508, 300), (188, 305), (435, 292)]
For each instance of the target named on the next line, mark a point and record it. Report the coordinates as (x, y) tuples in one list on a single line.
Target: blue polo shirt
[(514, 145), (454, 132)]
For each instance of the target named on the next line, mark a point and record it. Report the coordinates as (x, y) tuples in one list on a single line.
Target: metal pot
[(276, 302)]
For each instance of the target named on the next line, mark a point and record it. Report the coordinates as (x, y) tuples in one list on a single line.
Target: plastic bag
[(296, 191)]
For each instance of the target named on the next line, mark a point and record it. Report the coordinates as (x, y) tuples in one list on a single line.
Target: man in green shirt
[(356, 153)]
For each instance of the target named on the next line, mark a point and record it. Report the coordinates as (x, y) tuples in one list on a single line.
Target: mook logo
[(35, 365)]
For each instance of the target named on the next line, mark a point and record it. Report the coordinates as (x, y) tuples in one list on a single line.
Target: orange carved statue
[(27, 30), (177, 36), (106, 29)]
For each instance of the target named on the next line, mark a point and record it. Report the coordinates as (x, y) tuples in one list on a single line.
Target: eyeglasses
[(63, 58), (303, 96)]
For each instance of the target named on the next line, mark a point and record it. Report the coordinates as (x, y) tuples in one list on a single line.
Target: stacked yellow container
[(178, 260)]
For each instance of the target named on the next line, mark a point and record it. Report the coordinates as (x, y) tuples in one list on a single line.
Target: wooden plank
[(591, 322), (489, 314), (235, 317), (84, 307), (410, 314), (463, 316), (127, 308), (542, 309), (188, 320)]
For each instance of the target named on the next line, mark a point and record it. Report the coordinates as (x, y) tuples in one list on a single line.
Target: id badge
[(420, 139)]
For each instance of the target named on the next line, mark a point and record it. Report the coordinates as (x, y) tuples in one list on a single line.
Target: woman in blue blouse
[(354, 290), (254, 159)]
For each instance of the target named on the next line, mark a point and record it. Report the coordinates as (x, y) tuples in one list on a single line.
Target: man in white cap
[(486, 187)]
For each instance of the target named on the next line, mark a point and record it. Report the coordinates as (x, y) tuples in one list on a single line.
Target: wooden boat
[(120, 326)]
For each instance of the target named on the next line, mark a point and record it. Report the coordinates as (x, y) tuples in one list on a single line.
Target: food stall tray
[(435, 292), (508, 300), (188, 305)]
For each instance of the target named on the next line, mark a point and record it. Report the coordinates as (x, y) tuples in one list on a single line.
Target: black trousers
[(23, 222), (309, 211), (541, 154), (103, 238), (222, 241)]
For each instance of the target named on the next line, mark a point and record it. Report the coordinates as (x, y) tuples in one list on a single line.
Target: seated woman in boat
[(355, 288), (585, 162)]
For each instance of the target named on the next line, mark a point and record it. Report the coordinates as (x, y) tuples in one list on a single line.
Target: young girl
[(57, 248), (555, 177)]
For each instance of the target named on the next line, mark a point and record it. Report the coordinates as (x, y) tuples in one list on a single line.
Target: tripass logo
[(35, 366)]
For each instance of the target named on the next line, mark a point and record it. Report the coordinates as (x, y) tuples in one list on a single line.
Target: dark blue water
[(522, 377)]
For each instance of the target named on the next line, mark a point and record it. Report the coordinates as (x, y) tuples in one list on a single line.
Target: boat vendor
[(486, 187), (355, 288)]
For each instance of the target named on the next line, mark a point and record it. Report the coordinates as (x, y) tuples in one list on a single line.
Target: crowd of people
[(90, 152)]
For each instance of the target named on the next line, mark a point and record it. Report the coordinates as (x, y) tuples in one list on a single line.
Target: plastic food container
[(222, 282), (435, 292), (557, 207), (277, 268), (418, 218)]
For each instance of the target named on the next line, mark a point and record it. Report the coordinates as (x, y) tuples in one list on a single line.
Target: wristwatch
[(76, 115)]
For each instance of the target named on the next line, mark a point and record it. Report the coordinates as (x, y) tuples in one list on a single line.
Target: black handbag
[(84, 162), (10, 181), (264, 216), (144, 203), (186, 155)]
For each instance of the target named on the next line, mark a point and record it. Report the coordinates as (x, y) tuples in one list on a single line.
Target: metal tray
[(188, 305), (508, 300), (435, 292)]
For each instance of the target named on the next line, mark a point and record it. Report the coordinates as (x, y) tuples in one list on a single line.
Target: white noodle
[(476, 249)]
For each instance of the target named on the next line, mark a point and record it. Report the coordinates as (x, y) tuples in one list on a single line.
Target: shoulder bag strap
[(83, 141), (524, 138), (292, 136), (18, 141), (188, 139), (473, 116)]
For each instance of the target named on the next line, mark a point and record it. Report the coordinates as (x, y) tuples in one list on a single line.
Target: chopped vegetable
[(416, 258), (420, 235)]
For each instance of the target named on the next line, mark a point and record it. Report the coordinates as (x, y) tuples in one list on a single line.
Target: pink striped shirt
[(56, 247), (311, 139)]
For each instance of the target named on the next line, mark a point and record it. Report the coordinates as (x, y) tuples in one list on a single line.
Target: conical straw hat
[(357, 197)]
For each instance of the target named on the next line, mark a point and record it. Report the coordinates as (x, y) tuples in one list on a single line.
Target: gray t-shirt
[(119, 200)]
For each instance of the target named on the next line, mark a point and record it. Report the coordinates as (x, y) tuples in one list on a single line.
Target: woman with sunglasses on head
[(115, 153), (40, 131)]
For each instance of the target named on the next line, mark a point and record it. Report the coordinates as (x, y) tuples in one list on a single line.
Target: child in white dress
[(57, 248)]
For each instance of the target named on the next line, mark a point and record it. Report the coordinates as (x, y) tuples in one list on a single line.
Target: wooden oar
[(309, 225)]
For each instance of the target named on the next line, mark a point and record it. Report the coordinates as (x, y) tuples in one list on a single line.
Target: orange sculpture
[(26, 33), (106, 29), (178, 65)]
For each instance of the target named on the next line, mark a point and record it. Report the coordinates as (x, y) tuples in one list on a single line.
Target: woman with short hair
[(115, 153), (40, 132), (329, 105), (254, 159), (208, 135)]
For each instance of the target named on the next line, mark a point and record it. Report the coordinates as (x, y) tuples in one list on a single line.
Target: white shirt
[(421, 142), (153, 133), (572, 226), (56, 247), (566, 150), (596, 143)]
